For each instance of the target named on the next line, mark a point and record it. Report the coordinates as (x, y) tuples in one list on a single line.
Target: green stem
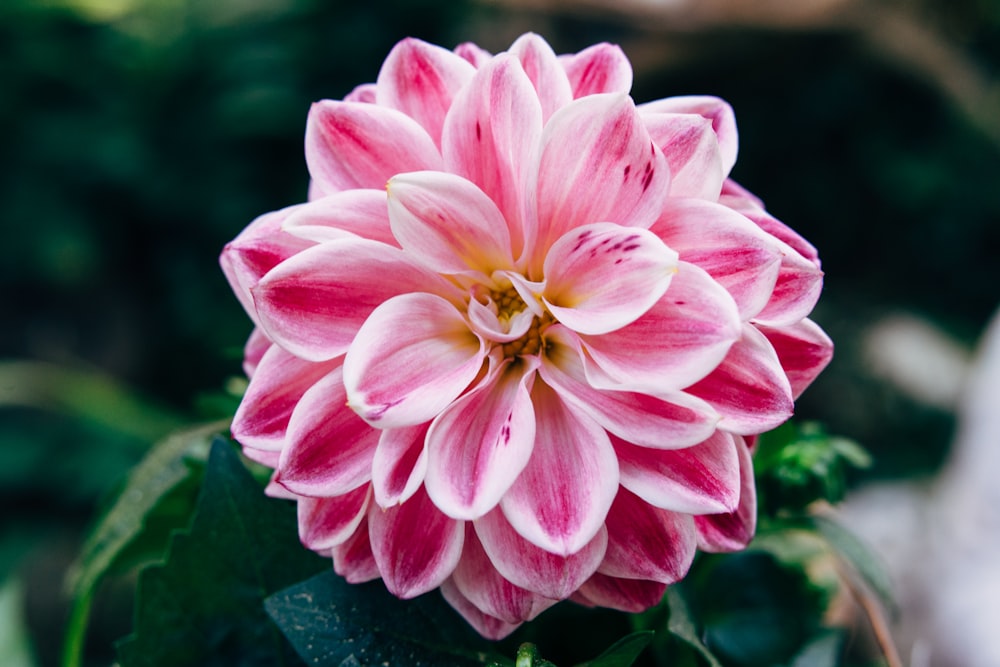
[(76, 629)]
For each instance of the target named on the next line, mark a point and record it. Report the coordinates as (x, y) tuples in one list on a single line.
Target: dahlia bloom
[(518, 342)]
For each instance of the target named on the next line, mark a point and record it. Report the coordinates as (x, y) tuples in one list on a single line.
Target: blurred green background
[(142, 135)]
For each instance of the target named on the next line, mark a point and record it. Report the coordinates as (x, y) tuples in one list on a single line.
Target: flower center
[(510, 304)]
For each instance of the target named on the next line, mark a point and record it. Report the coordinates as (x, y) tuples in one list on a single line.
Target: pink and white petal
[(415, 545), (329, 449), (561, 498), (412, 357), (737, 198), (716, 110), (486, 322), (256, 347), (734, 251), (803, 349), (314, 303), (732, 531), (491, 137), (269, 458), (353, 558), (447, 223), (276, 388), (421, 80), (545, 72), (749, 388), (628, 595), (481, 584), (360, 212), (703, 479), (400, 464), (482, 442), (525, 565), (488, 626), (473, 53), (692, 150), (601, 68), (677, 342), (646, 542), (795, 293), (602, 276), (649, 421), (614, 172), (359, 145), (255, 251), (326, 522), (364, 92)]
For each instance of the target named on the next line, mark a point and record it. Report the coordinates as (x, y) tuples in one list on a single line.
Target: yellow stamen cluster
[(509, 303), (531, 342)]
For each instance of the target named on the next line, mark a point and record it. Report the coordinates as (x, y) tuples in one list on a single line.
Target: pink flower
[(517, 344)]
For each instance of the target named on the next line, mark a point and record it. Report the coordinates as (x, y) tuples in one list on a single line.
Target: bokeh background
[(139, 136)]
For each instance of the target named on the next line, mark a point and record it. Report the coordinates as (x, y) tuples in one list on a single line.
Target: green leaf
[(623, 652), (681, 624), (863, 561), (330, 621), (161, 471), (823, 651), (204, 605)]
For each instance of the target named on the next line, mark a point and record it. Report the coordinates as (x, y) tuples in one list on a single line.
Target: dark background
[(139, 137)]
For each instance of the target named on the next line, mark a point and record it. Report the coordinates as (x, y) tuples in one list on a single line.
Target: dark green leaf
[(623, 652), (160, 472), (822, 651), (330, 622), (204, 605), (682, 626)]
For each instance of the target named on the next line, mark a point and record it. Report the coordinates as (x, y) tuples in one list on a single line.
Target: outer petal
[(601, 277), (474, 54), (359, 212), (734, 251), (314, 303), (277, 386), (482, 442), (488, 626), (602, 68), (639, 418), (537, 570), (614, 172), (545, 72), (703, 479), (732, 531), (491, 137), (645, 542), (399, 465), (628, 595), (258, 249), (353, 558), (692, 151), (421, 79), (676, 342), (359, 145), (716, 110), (412, 357), (560, 500), (481, 584), (737, 198), (448, 223), (326, 522), (329, 449), (415, 545), (796, 291), (749, 388), (803, 349), (256, 347)]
